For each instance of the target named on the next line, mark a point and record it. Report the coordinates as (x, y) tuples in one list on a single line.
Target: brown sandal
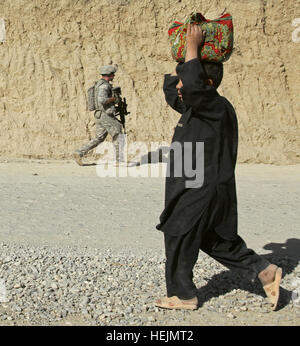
[(174, 303), (272, 289)]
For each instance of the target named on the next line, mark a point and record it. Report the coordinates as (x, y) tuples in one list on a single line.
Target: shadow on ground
[(89, 164), (158, 156), (286, 255)]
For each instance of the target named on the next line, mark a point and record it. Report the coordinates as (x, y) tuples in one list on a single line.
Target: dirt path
[(58, 203)]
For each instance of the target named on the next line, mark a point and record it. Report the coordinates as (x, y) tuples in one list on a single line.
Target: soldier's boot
[(78, 158), (120, 160)]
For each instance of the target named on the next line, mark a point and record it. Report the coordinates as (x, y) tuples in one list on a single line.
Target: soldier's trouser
[(182, 254), (105, 125)]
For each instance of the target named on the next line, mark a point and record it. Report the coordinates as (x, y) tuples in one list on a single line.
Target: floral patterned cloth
[(218, 43)]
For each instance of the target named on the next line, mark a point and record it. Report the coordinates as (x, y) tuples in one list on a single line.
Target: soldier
[(105, 115)]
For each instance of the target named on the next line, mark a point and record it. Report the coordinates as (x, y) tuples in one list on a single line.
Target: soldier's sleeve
[(102, 95)]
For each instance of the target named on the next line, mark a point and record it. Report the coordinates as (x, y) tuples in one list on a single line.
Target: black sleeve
[(203, 98), (171, 94)]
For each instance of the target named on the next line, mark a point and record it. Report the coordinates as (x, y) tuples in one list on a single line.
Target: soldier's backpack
[(218, 44), (91, 95)]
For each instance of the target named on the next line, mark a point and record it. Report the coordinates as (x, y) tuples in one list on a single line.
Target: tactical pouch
[(92, 96)]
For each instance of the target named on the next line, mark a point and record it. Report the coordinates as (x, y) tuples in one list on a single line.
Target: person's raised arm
[(196, 92)]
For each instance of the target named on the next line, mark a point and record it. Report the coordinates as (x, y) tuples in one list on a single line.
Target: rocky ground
[(76, 249)]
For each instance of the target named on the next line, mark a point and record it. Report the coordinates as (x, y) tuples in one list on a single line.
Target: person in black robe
[(200, 195)]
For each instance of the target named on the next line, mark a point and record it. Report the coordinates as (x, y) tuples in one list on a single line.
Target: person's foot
[(76, 156), (193, 301), (267, 275), (176, 303), (270, 279)]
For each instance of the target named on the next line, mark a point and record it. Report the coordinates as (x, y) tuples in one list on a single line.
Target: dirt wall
[(54, 49)]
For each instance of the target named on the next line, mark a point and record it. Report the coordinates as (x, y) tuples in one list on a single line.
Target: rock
[(54, 286), (84, 301), (49, 299)]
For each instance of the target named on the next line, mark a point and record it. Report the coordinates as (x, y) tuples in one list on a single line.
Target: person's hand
[(194, 39), (194, 35)]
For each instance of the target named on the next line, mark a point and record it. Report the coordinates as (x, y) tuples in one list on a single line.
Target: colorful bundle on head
[(218, 43)]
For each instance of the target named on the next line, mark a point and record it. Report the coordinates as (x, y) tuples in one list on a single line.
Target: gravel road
[(77, 249)]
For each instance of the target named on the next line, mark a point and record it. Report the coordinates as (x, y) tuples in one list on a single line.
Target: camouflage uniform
[(105, 119)]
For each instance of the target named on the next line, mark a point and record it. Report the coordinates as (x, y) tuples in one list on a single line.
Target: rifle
[(121, 106)]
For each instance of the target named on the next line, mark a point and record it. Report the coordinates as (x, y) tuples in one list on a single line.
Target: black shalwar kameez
[(201, 212)]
